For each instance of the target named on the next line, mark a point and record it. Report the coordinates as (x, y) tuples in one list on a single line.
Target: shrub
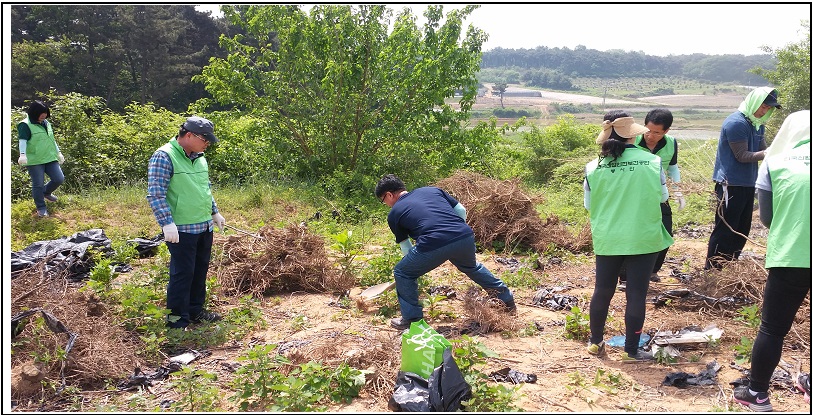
[(566, 139)]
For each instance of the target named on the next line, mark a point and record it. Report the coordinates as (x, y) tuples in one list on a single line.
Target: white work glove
[(171, 233), (680, 200), (61, 158), (23, 160), (219, 221)]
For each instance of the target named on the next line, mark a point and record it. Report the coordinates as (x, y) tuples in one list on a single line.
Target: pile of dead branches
[(744, 279), (281, 261), (501, 211), (102, 349)]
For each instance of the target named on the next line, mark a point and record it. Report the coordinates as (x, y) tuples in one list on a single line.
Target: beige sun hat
[(624, 126)]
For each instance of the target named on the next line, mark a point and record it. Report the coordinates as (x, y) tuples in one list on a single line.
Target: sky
[(659, 29)]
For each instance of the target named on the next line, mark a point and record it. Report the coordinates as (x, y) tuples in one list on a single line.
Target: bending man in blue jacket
[(437, 223)]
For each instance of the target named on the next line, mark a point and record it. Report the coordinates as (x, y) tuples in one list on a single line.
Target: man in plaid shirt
[(180, 196)]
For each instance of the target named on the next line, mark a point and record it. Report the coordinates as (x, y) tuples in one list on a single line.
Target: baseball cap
[(202, 126), (771, 100)]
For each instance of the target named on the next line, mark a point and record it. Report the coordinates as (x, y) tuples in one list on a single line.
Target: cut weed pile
[(302, 307), (283, 261), (103, 350), (499, 211)]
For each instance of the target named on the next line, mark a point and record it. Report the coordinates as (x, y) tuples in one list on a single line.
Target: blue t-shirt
[(427, 215), (727, 169)]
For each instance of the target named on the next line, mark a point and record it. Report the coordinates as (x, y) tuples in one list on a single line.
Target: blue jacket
[(727, 169)]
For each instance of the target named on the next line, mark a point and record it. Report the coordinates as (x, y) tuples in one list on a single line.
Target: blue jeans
[(188, 266), (38, 187), (461, 254)]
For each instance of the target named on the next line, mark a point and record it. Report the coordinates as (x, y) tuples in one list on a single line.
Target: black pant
[(188, 266), (666, 218), (639, 268), (725, 245), (784, 293)]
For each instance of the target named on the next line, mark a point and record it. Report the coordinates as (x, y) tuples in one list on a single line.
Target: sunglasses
[(201, 138)]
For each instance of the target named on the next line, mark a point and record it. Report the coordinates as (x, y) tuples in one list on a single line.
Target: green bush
[(558, 143), (516, 113)]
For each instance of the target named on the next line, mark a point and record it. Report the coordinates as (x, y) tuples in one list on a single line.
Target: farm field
[(692, 111)]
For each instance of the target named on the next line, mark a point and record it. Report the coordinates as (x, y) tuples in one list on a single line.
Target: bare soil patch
[(331, 332)]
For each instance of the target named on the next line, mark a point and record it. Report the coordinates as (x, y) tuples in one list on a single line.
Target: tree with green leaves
[(791, 77), (337, 94), (500, 87), (121, 53)]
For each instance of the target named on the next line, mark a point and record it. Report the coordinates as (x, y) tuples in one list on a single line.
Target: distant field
[(703, 111), (641, 87)]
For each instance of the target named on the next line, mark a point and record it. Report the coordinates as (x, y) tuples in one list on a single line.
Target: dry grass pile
[(379, 355), (746, 278), (283, 261), (489, 314), (501, 211), (102, 350)]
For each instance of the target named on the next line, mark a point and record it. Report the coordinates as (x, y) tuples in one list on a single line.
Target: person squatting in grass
[(180, 196), (783, 189), (40, 155), (623, 190), (740, 147), (656, 141), (437, 223)]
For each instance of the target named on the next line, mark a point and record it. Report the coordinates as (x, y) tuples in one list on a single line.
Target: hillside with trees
[(149, 53), (584, 62)]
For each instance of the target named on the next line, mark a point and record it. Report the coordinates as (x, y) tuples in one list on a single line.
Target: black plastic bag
[(447, 387), (443, 392), (411, 393)]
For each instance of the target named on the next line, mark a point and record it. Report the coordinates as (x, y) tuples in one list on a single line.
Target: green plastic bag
[(422, 349)]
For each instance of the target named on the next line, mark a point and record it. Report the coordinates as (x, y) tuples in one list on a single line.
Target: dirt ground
[(557, 361), (565, 371)]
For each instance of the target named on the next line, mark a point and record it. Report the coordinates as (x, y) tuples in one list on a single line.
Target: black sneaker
[(42, 213), (654, 277), (760, 402), (50, 198), (401, 323), (206, 316), (510, 307)]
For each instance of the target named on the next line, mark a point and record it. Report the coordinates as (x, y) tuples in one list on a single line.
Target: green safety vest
[(41, 147), (665, 153), (789, 236), (625, 198), (188, 195)]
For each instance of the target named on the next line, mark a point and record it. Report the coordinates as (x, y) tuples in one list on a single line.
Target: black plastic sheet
[(682, 380), (509, 375), (548, 298), (147, 247), (69, 254), (685, 296)]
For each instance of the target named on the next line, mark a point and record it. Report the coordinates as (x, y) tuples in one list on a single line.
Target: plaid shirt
[(158, 174)]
